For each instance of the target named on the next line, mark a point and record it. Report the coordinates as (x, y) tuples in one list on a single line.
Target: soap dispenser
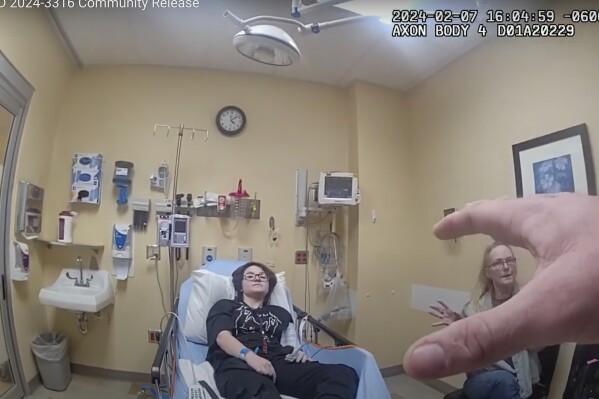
[(19, 261)]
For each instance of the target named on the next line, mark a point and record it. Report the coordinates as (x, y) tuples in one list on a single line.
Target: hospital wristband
[(243, 352)]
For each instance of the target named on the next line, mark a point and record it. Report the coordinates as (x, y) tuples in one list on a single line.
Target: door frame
[(15, 96)]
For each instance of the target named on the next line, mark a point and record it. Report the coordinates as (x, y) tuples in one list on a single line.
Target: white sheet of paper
[(424, 295)]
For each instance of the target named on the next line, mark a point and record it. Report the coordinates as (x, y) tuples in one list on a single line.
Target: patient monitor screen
[(180, 226), (338, 187)]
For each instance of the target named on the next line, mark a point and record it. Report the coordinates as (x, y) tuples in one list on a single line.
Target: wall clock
[(230, 120)]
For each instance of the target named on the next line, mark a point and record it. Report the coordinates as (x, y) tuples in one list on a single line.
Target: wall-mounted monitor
[(338, 188)]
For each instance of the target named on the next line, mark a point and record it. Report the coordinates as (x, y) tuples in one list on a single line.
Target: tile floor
[(408, 388), (89, 388), (400, 386)]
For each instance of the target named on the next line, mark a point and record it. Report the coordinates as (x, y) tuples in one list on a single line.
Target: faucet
[(79, 281)]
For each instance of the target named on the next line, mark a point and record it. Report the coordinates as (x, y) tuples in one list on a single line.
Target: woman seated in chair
[(245, 350), (510, 378)]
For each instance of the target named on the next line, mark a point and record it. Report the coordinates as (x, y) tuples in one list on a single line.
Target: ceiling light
[(267, 44), (271, 45)]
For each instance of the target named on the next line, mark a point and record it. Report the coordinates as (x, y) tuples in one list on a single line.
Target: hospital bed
[(177, 352)]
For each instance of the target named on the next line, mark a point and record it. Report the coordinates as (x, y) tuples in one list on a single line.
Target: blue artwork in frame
[(554, 175), (557, 162)]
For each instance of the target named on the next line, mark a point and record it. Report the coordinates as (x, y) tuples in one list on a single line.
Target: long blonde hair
[(484, 283)]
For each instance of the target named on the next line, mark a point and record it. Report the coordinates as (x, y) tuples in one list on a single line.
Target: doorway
[(15, 95), (6, 375)]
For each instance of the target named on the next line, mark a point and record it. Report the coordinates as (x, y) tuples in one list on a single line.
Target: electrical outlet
[(301, 257), (154, 336), (153, 252)]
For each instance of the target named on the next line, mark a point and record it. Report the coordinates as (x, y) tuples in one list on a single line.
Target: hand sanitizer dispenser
[(19, 261), (122, 251)]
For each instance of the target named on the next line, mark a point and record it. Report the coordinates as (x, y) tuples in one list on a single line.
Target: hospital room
[(367, 199)]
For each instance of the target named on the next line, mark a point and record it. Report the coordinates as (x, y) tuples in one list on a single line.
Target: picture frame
[(557, 162)]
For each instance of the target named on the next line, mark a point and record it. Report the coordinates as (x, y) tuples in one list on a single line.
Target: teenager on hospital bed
[(245, 338)]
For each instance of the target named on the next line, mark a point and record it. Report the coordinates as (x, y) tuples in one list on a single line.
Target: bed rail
[(165, 345), (339, 339)]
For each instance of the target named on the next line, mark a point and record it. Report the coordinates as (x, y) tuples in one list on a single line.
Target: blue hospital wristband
[(243, 352)]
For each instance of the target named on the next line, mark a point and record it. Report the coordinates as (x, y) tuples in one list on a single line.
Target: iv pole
[(171, 251)]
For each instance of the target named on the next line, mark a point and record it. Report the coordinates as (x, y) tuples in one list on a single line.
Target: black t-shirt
[(260, 328)]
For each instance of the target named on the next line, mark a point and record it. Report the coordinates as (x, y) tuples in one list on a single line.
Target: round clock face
[(230, 120)]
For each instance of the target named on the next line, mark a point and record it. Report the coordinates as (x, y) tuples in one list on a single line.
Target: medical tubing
[(176, 273), (174, 373), (172, 275), (159, 285), (306, 283), (184, 340), (162, 336), (307, 305), (324, 347)]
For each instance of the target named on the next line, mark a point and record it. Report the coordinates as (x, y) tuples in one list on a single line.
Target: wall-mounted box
[(244, 254), (30, 201), (86, 178), (208, 254)]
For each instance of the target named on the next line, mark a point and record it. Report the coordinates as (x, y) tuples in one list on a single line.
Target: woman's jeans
[(492, 384)]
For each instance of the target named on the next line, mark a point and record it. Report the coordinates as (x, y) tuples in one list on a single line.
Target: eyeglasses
[(254, 277), (499, 263)]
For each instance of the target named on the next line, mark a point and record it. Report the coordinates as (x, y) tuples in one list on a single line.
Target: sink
[(65, 294)]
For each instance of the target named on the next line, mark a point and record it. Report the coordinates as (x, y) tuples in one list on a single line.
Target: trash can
[(51, 352)]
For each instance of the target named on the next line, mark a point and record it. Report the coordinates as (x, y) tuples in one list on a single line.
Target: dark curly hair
[(238, 279)]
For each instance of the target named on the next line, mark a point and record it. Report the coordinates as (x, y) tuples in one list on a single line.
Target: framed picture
[(557, 162)]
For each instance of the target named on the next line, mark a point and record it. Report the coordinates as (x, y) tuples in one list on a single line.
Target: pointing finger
[(503, 219)]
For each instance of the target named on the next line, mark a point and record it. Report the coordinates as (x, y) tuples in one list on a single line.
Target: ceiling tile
[(202, 38)]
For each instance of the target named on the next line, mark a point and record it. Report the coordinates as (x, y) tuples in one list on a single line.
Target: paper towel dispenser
[(30, 199)]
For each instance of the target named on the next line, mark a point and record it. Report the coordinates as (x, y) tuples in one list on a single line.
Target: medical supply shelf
[(50, 244), (250, 210)]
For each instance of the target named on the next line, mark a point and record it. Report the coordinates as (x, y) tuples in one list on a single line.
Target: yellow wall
[(30, 44), (464, 122), (112, 111), (384, 247)]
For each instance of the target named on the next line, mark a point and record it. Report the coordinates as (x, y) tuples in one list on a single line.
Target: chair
[(583, 380), (540, 390)]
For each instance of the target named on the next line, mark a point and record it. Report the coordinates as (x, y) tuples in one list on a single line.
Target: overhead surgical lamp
[(267, 44), (271, 45)]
